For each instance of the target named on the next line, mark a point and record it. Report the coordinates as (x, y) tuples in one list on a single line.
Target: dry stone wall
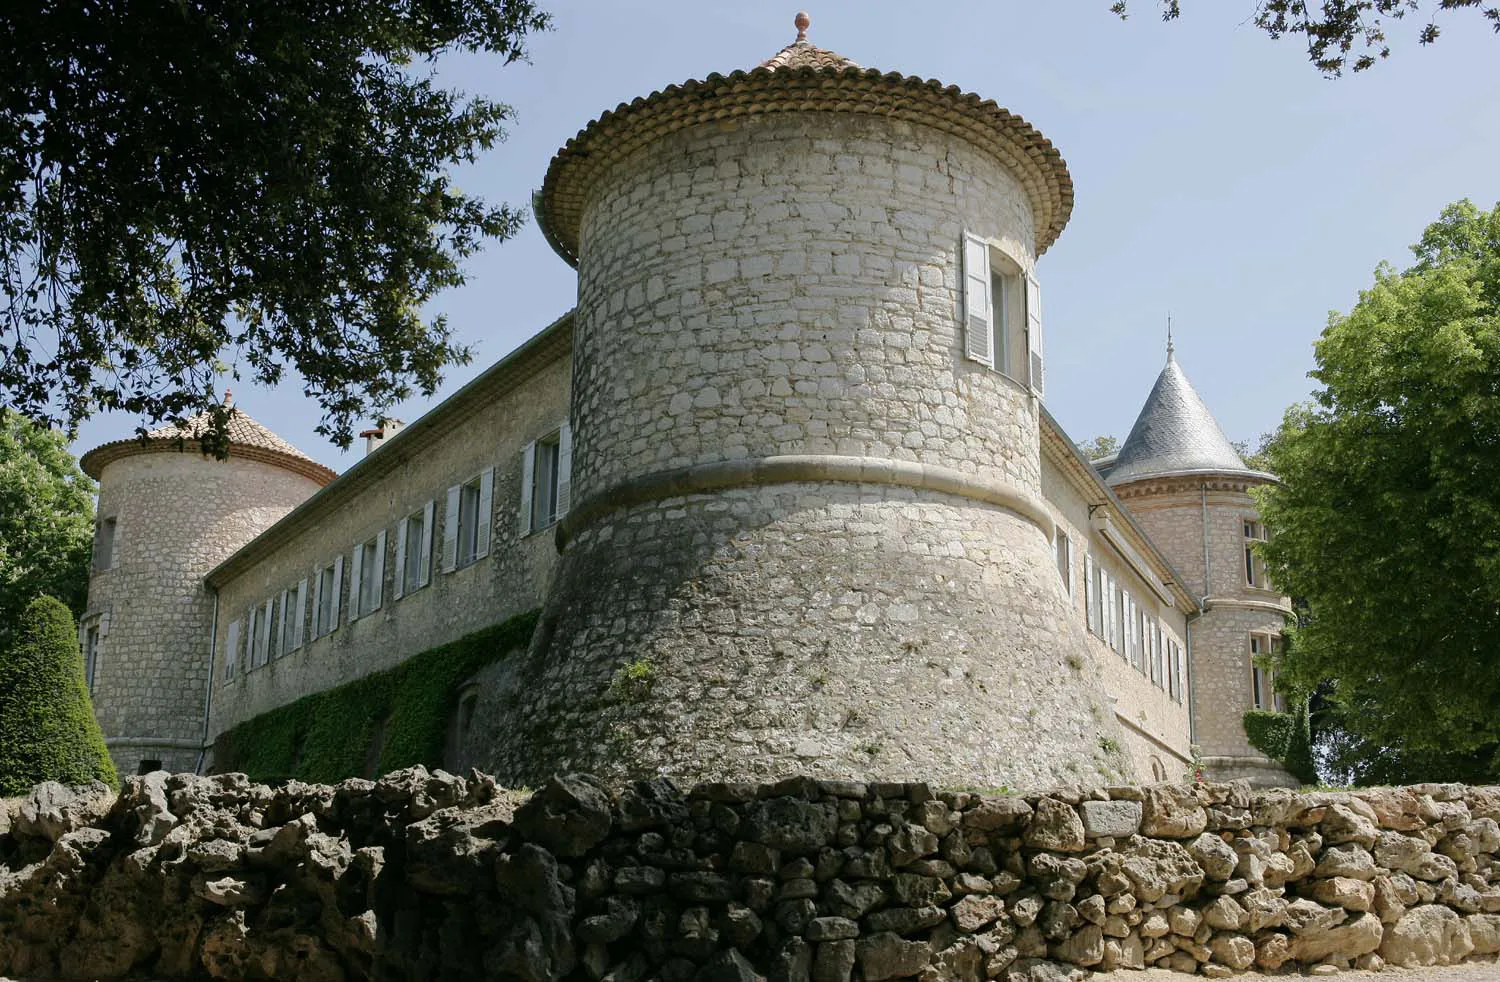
[(423, 875)]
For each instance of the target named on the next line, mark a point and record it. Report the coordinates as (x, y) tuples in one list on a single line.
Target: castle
[(787, 460)]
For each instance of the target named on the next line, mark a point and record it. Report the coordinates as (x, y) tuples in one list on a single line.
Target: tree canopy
[(46, 519), (1099, 447), (1387, 525), (1343, 34), (189, 189), (47, 726)]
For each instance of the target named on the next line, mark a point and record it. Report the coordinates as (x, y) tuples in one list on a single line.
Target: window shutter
[(398, 588), (317, 608), (282, 641), (338, 591), (450, 531), (528, 471), (356, 579), (978, 316), (1088, 591), (486, 512), (1034, 333), (564, 468), (377, 574), (265, 636), (231, 649), (424, 565), (301, 613)]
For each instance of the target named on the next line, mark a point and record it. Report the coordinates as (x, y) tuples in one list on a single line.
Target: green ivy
[(1285, 738), (327, 736)]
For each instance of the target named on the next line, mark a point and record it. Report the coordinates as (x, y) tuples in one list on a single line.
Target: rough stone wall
[(1222, 685), (425, 875), (1155, 724), (177, 515), (510, 580)]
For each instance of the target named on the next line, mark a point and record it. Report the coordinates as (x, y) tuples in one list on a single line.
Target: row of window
[(282, 623), (1128, 628)]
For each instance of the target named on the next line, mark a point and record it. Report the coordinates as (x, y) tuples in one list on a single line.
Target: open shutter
[(528, 472), (377, 575), (1034, 333), (265, 635), (338, 591), (318, 628), (564, 468), (356, 579), (1089, 592), (424, 565), (398, 588), (301, 613), (283, 643), (486, 512), (231, 649), (450, 530), (979, 330)]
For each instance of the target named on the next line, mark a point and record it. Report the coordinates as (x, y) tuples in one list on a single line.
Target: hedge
[(47, 726), (328, 736), (1285, 738)]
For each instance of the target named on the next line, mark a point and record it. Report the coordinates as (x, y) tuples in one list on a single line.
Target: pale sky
[(1218, 177)]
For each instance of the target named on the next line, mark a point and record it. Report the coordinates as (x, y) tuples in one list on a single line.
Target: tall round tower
[(808, 533), (167, 515), (1184, 482)]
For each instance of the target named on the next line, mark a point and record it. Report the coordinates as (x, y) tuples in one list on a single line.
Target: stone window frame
[(1254, 530), (1264, 645), (106, 551), (1062, 550), (989, 267), (92, 631)]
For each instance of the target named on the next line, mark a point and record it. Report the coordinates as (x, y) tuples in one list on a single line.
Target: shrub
[(327, 736), (47, 726), (1284, 737)]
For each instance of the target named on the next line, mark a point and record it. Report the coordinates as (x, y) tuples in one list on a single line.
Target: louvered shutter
[(301, 613), (564, 468), (450, 530), (231, 649), (424, 565), (1089, 592), (338, 591), (265, 636), (1034, 333), (356, 578), (377, 575), (979, 321), (484, 513), (283, 643), (398, 588), (528, 472), (318, 627)]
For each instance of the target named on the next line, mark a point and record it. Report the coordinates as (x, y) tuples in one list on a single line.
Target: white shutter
[(265, 636), (979, 330), (424, 565), (231, 649), (564, 468), (356, 575), (338, 591), (485, 513), (1034, 333), (301, 614), (317, 610), (528, 470), (398, 588), (282, 642), (450, 530), (1089, 592), (377, 574)]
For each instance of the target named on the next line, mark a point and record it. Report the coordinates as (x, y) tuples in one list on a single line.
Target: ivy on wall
[(1285, 738), (373, 725)]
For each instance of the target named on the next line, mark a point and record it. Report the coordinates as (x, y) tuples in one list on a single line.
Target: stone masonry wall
[(177, 515), (422, 875)]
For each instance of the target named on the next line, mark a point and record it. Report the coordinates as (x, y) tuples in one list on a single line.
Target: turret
[(167, 515), (807, 531), (1185, 483)]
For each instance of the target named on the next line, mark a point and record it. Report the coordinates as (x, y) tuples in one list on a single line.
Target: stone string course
[(428, 875)]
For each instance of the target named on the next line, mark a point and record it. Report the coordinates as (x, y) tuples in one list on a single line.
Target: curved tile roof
[(1174, 434), (804, 54), (247, 438)]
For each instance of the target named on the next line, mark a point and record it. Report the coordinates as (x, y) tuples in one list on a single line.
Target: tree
[(1336, 31), (1387, 523), (1099, 447), (190, 189), (47, 726), (46, 520)]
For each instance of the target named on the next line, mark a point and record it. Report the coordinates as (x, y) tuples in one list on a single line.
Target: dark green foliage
[(1285, 738), (194, 188), (327, 737), (1333, 29), (1099, 446), (47, 726)]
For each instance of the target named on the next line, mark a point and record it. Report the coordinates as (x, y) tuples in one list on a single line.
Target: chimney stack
[(376, 437)]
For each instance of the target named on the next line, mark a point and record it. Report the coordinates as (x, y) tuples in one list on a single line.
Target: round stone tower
[(808, 534), (1189, 489), (167, 515)]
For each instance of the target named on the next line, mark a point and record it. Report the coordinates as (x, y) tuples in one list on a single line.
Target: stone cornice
[(1280, 606), (803, 468), (102, 456), (1193, 482)]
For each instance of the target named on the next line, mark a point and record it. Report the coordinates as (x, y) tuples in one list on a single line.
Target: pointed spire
[(1170, 348)]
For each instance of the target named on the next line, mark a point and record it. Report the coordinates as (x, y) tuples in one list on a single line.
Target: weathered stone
[(568, 816), (1361, 933), (729, 966), (791, 825), (904, 920), (1484, 933), (1352, 860), (1056, 826), (1426, 935), (1085, 947), (831, 929), (1343, 823), (833, 962), (1233, 951), (620, 916), (887, 956), (1171, 811), (975, 911), (1343, 892), (52, 810), (1114, 819), (1215, 855), (1002, 814), (852, 899)]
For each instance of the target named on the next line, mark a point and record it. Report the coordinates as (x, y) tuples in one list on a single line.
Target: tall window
[(468, 522), (1063, 546), (325, 616), (544, 482), (1255, 567), (1119, 603), (291, 617), (1265, 651), (1002, 313), (415, 543), (91, 654), (257, 639), (104, 545), (1093, 594), (368, 579)]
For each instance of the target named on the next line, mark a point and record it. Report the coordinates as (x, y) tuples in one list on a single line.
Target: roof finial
[(803, 22), (1170, 347)]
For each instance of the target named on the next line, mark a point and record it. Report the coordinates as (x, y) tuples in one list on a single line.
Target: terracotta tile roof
[(247, 438), (804, 54), (242, 432)]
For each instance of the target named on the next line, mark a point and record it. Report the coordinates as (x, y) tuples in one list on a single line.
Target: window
[(1092, 593), (1255, 566), (1063, 546), (232, 650), (293, 610), (327, 584), (1118, 603), (413, 551), (1002, 313), (258, 651), (104, 545), (466, 523), (546, 479), (90, 654), (1265, 651), (367, 577), (1137, 635), (1172, 667)]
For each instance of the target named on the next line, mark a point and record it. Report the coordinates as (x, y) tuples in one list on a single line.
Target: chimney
[(376, 437)]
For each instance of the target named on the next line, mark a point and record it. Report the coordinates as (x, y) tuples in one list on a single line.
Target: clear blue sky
[(1218, 176)]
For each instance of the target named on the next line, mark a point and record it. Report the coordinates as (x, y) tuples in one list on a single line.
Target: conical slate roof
[(1174, 434)]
